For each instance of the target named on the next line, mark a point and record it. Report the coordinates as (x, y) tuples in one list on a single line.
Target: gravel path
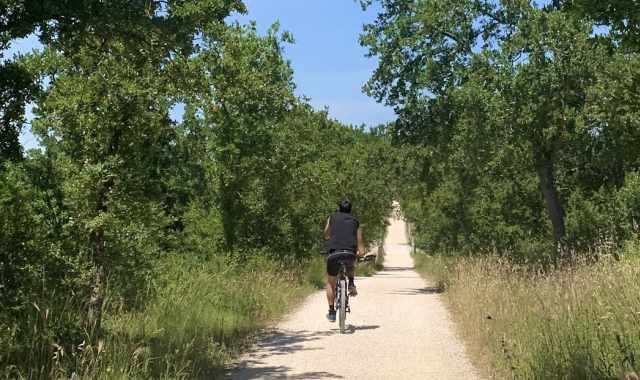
[(398, 329)]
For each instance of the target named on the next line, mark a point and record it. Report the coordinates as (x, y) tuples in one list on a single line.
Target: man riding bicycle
[(344, 240)]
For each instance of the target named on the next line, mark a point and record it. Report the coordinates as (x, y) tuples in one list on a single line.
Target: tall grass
[(199, 316), (578, 322)]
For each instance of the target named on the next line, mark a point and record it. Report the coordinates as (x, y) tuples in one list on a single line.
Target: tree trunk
[(230, 215), (94, 314), (544, 167), (98, 247)]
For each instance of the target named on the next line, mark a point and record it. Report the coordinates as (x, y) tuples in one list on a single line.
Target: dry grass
[(581, 322)]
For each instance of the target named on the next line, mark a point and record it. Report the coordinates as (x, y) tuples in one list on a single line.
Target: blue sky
[(329, 65)]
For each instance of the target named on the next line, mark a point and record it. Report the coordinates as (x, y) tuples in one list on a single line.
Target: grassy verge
[(200, 316), (581, 322)]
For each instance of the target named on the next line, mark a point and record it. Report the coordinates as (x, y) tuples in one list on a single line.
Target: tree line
[(518, 120), (118, 185)]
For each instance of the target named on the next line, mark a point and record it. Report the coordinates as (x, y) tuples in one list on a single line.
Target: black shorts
[(334, 258)]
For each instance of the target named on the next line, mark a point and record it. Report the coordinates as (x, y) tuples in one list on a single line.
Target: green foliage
[(620, 16), (37, 270), (32, 255), (628, 198), (592, 219)]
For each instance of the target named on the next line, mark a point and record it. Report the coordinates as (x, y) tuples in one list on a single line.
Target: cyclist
[(343, 236)]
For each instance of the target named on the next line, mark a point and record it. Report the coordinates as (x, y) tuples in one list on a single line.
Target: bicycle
[(342, 296)]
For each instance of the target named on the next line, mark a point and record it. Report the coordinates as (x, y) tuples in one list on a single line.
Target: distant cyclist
[(343, 236)]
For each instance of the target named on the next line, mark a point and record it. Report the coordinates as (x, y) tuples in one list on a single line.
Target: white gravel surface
[(398, 328)]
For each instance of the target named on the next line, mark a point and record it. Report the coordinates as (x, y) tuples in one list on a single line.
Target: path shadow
[(394, 275), (283, 342), (418, 291), (280, 372), (396, 269), (274, 343), (351, 329)]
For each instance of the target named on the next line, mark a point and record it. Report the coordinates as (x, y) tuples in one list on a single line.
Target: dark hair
[(344, 206)]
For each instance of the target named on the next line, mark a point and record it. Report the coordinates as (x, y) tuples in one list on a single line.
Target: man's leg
[(351, 269), (331, 290), (331, 296), (332, 273), (351, 272)]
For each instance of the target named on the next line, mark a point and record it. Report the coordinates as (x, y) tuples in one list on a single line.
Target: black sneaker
[(331, 316), (352, 290)]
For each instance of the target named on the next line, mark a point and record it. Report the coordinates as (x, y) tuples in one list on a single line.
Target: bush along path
[(398, 329)]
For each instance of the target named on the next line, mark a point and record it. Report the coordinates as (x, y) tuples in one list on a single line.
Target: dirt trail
[(398, 329)]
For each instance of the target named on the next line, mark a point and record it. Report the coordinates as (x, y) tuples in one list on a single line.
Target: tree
[(104, 116), (549, 93), (249, 90), (540, 61)]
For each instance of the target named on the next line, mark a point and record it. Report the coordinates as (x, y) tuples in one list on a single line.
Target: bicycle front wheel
[(342, 312)]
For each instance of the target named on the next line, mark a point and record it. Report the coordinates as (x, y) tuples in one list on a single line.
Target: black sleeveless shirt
[(343, 232)]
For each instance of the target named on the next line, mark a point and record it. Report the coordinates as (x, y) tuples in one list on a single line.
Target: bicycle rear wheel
[(342, 311)]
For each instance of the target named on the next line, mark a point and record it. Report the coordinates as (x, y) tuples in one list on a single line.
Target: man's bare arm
[(327, 231), (361, 251)]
